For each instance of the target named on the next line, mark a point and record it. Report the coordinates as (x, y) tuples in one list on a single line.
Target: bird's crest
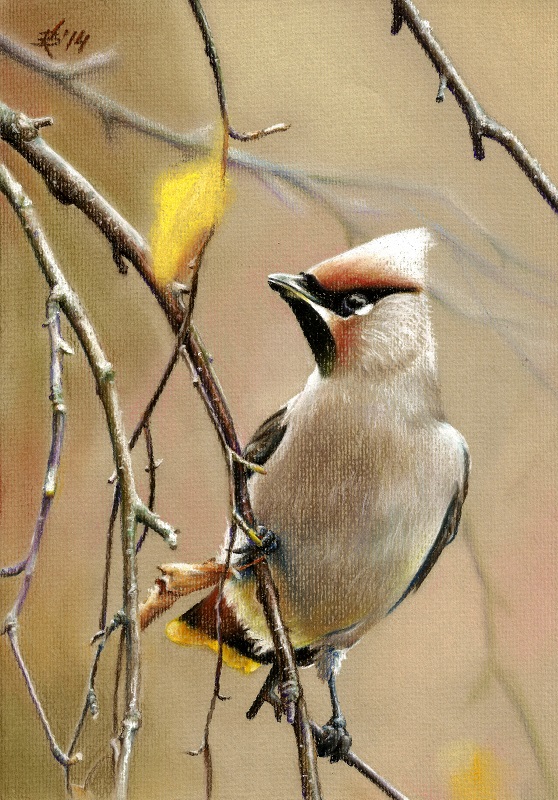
[(397, 260)]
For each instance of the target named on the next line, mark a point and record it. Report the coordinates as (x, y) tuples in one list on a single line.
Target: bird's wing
[(267, 438), (447, 533)]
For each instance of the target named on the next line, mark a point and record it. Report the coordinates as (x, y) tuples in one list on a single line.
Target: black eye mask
[(301, 291), (344, 304)]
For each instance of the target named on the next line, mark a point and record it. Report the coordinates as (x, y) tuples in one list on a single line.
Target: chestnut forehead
[(340, 275)]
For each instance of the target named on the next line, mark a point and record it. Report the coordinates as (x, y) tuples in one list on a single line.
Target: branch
[(354, 761), (58, 348), (132, 508), (480, 124), (211, 53)]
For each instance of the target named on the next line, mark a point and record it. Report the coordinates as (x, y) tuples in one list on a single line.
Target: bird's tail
[(198, 627)]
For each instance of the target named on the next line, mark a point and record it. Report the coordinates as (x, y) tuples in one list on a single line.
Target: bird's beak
[(291, 287)]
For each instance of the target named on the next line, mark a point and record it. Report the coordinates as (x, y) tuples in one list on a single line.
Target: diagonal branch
[(354, 761), (480, 124)]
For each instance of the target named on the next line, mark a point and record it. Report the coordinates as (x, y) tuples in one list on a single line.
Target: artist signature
[(53, 37)]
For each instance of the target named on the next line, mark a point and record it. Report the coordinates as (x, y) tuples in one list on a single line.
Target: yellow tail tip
[(181, 633)]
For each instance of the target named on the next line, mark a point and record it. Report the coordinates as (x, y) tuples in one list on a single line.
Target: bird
[(364, 478)]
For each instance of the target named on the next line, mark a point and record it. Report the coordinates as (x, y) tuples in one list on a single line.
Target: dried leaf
[(176, 581)]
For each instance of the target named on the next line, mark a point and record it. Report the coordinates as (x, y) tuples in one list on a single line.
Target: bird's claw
[(269, 543), (335, 741), (281, 696), (269, 540)]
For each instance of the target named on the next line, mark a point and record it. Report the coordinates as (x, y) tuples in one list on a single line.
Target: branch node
[(106, 373), (154, 521), (118, 258), (93, 703), (10, 624)]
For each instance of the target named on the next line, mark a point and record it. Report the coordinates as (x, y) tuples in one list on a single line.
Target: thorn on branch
[(476, 137), (121, 264), (397, 18), (442, 88)]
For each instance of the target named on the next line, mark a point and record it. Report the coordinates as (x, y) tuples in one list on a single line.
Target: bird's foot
[(335, 741), (269, 542), (281, 695)]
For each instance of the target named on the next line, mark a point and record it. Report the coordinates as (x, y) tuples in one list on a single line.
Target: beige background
[(418, 690)]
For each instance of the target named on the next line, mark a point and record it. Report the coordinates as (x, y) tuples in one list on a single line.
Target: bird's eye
[(352, 303)]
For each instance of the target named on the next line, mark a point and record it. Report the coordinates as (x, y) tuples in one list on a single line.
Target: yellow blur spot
[(476, 774), (190, 200), (181, 633)]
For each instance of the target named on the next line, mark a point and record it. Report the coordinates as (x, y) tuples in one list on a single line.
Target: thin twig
[(58, 348), (205, 748), (480, 124), (354, 761), (212, 55), (151, 468), (91, 704), (132, 509), (13, 570)]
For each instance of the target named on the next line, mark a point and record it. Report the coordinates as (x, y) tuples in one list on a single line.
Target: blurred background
[(456, 692)]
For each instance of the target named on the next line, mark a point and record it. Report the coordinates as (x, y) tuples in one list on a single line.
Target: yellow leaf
[(190, 200)]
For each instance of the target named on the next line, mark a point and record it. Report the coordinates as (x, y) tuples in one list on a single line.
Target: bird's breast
[(357, 502)]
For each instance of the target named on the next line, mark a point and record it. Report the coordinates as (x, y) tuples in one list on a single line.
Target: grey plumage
[(365, 479)]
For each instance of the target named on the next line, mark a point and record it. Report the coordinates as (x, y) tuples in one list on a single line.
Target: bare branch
[(10, 629), (480, 124), (153, 521), (13, 570), (58, 348), (132, 508), (69, 186), (354, 761), (150, 469), (212, 55)]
